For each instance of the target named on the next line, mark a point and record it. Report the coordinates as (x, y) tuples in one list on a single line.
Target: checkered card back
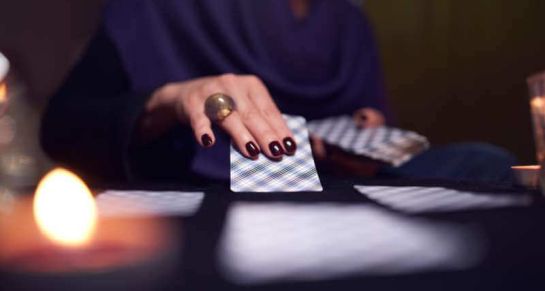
[(148, 203), (387, 144), (417, 200), (295, 173)]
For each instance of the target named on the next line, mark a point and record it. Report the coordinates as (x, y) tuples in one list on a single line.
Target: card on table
[(295, 173), (280, 241), (436, 199), (148, 203), (387, 144)]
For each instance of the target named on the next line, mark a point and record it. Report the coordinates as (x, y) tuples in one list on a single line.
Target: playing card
[(387, 144), (437, 199), (292, 174), (148, 203), (264, 242)]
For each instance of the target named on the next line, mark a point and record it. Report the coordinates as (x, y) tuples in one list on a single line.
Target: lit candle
[(66, 217), (537, 105), (529, 176), (66, 239), (4, 68)]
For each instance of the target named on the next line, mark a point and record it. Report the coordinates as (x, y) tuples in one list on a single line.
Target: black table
[(514, 258)]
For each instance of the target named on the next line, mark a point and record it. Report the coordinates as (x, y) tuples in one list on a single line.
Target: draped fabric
[(322, 65)]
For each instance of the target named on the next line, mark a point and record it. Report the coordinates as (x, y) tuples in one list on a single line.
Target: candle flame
[(64, 209)]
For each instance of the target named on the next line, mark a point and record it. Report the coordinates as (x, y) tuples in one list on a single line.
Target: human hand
[(368, 117), (318, 147), (364, 118), (335, 160), (255, 126)]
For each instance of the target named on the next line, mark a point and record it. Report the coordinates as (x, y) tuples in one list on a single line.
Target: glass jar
[(21, 159)]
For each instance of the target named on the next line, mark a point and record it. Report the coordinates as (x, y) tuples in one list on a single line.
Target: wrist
[(159, 115)]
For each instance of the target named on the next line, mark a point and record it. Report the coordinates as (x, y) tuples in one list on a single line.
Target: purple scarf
[(323, 65)]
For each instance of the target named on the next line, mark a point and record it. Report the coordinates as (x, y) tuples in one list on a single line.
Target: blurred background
[(455, 70)]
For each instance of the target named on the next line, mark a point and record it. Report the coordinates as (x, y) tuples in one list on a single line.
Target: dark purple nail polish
[(252, 149), (206, 140), (276, 149), (290, 145)]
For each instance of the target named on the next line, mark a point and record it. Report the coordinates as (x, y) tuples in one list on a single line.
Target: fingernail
[(290, 145), (206, 140), (275, 148), (252, 149)]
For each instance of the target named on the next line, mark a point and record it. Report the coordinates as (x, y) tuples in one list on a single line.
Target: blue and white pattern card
[(295, 173), (148, 203), (392, 145), (417, 200)]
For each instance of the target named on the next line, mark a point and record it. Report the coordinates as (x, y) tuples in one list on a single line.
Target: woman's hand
[(255, 126), (335, 160), (368, 117), (339, 161), (364, 118)]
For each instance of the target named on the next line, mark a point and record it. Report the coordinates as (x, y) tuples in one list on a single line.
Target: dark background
[(455, 70)]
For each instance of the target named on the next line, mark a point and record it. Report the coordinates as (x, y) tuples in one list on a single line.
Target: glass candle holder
[(21, 159), (4, 68), (536, 87)]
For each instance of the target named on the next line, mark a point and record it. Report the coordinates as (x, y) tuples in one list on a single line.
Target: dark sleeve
[(89, 122)]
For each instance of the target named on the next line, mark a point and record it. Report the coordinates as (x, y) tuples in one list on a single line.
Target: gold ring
[(218, 106)]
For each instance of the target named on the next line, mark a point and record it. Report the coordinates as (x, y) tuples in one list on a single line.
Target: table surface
[(514, 257)]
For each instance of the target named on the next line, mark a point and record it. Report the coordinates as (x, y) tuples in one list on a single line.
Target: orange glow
[(3, 93), (537, 102), (528, 168), (64, 209)]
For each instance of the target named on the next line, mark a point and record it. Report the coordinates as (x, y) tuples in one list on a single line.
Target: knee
[(478, 162), (485, 152)]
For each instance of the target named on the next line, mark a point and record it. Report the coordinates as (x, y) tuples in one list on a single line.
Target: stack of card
[(391, 145), (292, 174), (437, 199)]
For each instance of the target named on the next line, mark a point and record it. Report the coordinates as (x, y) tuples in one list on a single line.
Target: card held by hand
[(295, 173), (391, 145)]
